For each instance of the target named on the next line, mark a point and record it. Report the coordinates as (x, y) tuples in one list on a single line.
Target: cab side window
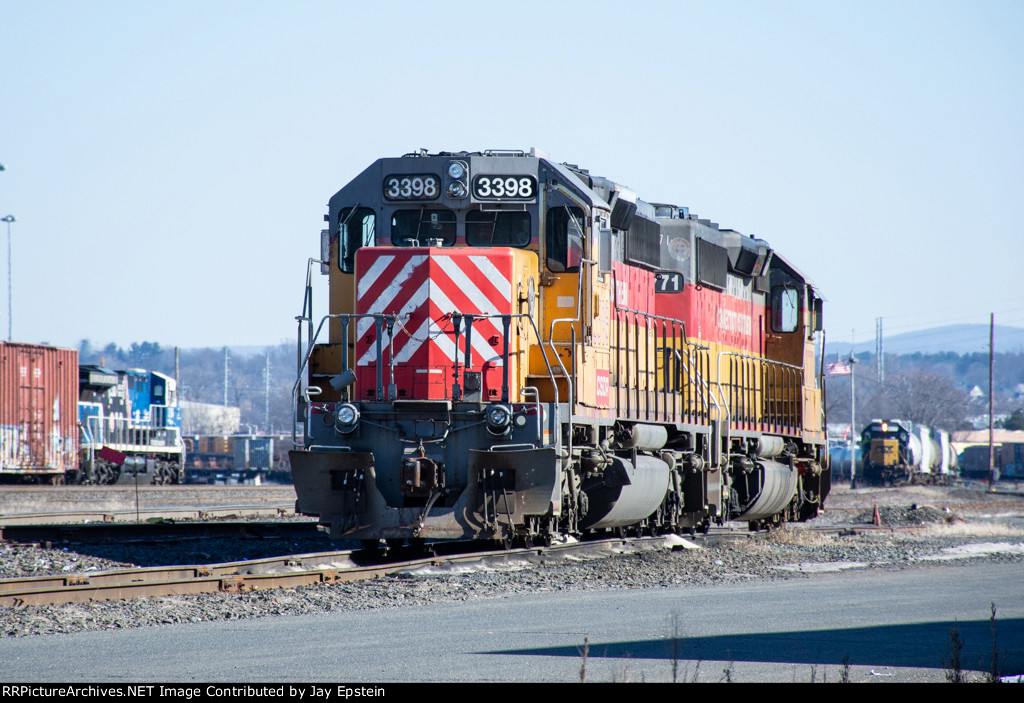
[(564, 239), (356, 230), (785, 309)]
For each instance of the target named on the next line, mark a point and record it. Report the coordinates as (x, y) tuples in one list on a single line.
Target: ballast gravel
[(794, 552)]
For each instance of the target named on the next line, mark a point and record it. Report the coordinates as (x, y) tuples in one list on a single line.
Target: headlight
[(456, 170), (499, 418), (456, 189), (348, 416)]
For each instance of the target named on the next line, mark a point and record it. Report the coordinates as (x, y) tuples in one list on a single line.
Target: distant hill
[(959, 339)]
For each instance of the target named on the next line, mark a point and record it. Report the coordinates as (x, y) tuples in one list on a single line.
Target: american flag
[(839, 368)]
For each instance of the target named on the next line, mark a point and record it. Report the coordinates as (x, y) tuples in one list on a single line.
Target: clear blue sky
[(169, 164)]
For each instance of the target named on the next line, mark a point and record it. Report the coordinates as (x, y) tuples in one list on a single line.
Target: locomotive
[(518, 350), (898, 451), (130, 427)]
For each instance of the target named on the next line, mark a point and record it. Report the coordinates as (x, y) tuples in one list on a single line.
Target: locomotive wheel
[(105, 475)]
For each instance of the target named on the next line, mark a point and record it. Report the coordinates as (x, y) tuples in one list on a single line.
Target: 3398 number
[(412, 187), (504, 187)]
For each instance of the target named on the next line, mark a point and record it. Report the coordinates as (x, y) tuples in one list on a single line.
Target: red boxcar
[(38, 410)]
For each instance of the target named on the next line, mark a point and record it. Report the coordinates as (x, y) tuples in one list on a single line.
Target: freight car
[(38, 415), (1007, 457), (61, 422), (897, 451), (518, 350), (240, 458)]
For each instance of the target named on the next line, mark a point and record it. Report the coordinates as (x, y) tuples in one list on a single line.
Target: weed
[(799, 536), (727, 673), (696, 672), (993, 675), (623, 674), (954, 668), (844, 673)]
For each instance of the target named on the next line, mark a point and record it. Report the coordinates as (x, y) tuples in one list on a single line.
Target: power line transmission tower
[(879, 351)]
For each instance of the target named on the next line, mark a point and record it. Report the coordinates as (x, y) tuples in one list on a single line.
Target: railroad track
[(326, 567), (276, 572), (301, 569), (159, 530), (128, 515)]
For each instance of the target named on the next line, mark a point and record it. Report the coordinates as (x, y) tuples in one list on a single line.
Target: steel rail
[(281, 572), (130, 515)]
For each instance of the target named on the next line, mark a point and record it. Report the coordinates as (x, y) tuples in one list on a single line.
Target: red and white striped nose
[(425, 288)]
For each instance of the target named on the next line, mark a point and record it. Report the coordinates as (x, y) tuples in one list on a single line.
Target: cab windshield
[(491, 228), (423, 227)]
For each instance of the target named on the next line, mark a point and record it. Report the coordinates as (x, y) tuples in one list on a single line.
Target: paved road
[(892, 625)]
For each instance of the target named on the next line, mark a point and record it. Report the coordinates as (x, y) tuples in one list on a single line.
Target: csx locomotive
[(897, 451), (519, 350)]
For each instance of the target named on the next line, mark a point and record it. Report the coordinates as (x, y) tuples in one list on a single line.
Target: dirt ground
[(1010, 495)]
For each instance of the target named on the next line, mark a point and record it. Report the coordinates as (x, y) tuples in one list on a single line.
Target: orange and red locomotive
[(517, 349)]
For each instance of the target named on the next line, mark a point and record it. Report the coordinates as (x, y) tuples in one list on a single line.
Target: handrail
[(379, 319), (783, 418)]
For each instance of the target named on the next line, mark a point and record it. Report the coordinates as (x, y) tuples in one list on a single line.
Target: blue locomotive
[(130, 427)]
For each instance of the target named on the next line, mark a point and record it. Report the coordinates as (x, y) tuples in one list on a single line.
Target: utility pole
[(225, 376), (991, 359), (853, 424), (266, 409), (853, 416), (10, 314)]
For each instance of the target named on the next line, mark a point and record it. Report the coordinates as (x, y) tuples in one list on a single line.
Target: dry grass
[(972, 529), (799, 537)]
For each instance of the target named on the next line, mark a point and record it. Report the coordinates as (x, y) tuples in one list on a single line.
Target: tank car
[(898, 451), (130, 427), (516, 349)]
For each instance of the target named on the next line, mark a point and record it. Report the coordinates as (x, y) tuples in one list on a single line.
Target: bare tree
[(927, 398)]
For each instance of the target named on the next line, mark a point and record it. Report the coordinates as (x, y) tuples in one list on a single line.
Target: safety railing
[(663, 371), (123, 432), (386, 324), (760, 394)]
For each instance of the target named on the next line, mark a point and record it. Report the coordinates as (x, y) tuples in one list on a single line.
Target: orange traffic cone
[(878, 518)]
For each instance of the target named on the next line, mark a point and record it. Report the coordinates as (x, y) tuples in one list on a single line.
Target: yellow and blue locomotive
[(516, 349)]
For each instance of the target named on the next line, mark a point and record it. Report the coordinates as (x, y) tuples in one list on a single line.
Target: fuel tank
[(626, 493)]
